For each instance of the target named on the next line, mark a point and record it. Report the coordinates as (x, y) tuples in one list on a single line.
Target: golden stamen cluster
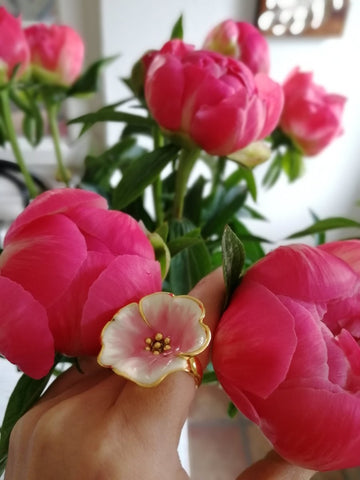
[(158, 344)]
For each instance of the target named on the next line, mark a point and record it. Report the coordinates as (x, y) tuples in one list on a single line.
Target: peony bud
[(242, 41), (57, 53)]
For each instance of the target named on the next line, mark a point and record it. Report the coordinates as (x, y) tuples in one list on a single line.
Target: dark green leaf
[(178, 31), (112, 116), (209, 377), (89, 80), (233, 260), (320, 237), (24, 396), (189, 265), (232, 410), (242, 173), (273, 172), (251, 243), (331, 223), (33, 128), (224, 205), (193, 201), (185, 241), (293, 164), (250, 212), (142, 172)]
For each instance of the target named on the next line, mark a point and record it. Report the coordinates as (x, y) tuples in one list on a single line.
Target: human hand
[(96, 425)]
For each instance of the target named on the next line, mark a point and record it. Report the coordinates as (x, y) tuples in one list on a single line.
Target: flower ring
[(162, 334)]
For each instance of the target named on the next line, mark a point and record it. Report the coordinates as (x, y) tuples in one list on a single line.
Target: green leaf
[(190, 264), (178, 31), (209, 377), (142, 172), (233, 260), (33, 128), (252, 243), (293, 164), (105, 115), (273, 172), (232, 410), (224, 205), (331, 223), (89, 81), (193, 201), (320, 237), (246, 174), (185, 241), (26, 393)]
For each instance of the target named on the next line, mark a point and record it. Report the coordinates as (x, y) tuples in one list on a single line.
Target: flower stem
[(11, 133), (52, 112), (186, 162), (157, 185)]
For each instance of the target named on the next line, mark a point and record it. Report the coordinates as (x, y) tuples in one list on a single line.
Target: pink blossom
[(287, 352), (147, 341), (14, 49), (311, 116), (211, 100), (67, 266), (242, 41), (57, 53)]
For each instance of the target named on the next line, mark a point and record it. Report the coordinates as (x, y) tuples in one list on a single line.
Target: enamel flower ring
[(162, 334)]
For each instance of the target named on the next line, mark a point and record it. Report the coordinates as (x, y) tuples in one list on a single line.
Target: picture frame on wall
[(32, 10), (299, 18)]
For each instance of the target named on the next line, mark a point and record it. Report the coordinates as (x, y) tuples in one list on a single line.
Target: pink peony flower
[(211, 100), (57, 53), (67, 266), (311, 116), (145, 342), (242, 41), (287, 352), (14, 49)]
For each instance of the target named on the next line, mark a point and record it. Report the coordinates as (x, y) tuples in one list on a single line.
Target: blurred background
[(329, 187)]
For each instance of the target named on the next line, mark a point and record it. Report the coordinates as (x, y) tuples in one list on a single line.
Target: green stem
[(157, 185), (11, 133), (186, 162), (52, 111)]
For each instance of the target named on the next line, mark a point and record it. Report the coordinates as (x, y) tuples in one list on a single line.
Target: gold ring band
[(194, 368)]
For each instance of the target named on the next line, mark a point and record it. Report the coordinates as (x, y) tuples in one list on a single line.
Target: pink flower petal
[(177, 317), (255, 341), (124, 350), (127, 279), (65, 314), (347, 250), (25, 337), (322, 276), (110, 231), (52, 202), (44, 256), (315, 428)]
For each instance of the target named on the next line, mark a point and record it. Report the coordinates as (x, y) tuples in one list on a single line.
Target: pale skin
[(98, 426)]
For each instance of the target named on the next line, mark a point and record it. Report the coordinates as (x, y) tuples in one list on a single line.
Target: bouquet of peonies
[(286, 349)]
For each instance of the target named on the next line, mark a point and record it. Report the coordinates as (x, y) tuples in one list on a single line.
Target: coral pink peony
[(311, 116), (240, 40), (67, 266), (287, 352), (14, 49), (211, 100), (57, 53)]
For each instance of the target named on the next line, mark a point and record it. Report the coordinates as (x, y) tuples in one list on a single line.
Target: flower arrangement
[(94, 270)]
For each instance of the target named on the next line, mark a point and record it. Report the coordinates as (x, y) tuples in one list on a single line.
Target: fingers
[(273, 467), (168, 403)]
